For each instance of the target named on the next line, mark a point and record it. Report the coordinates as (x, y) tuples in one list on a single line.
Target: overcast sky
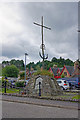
[(20, 35)]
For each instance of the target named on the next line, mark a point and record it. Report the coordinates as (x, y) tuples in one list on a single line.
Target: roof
[(70, 69), (60, 69), (55, 70), (76, 76), (67, 78)]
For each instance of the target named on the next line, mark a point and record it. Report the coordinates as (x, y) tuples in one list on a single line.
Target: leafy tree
[(47, 64), (22, 75), (18, 63), (10, 71), (54, 59), (31, 64), (38, 68)]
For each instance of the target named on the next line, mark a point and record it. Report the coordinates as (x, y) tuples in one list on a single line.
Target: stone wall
[(49, 86)]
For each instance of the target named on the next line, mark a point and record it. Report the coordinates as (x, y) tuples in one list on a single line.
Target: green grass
[(10, 90), (76, 97)]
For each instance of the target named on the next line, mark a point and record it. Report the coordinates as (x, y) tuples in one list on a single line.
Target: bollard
[(39, 88), (5, 87)]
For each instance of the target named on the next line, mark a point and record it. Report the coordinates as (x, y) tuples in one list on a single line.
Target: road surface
[(22, 110)]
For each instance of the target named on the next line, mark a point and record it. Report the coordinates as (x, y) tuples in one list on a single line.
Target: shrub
[(62, 76), (20, 84), (3, 82), (43, 72)]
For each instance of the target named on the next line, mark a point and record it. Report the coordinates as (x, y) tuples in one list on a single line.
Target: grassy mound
[(43, 72)]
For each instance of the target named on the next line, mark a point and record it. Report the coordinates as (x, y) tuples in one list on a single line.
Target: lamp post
[(78, 43), (25, 65), (78, 30)]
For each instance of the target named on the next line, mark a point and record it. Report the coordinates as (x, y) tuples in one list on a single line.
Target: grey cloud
[(61, 17)]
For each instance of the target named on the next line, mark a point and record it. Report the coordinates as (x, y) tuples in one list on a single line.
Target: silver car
[(63, 84)]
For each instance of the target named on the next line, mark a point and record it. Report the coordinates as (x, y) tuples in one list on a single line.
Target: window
[(65, 73), (59, 81), (65, 82)]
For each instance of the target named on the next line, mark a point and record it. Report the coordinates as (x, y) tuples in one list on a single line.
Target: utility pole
[(42, 45)]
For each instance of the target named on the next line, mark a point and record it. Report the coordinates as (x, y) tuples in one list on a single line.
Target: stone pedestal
[(49, 86)]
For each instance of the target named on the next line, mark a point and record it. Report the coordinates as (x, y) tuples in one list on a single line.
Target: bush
[(20, 84), (3, 82), (43, 72), (62, 76)]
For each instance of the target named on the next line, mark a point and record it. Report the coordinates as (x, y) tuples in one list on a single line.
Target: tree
[(10, 71), (22, 75), (18, 63), (54, 59), (38, 68)]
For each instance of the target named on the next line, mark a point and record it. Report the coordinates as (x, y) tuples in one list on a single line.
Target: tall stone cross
[(42, 45)]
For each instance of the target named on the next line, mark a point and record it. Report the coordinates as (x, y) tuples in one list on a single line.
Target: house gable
[(65, 72), (56, 71)]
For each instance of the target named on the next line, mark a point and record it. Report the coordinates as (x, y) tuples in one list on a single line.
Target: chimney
[(76, 64)]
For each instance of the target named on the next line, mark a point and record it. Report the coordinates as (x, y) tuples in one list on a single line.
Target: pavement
[(41, 102)]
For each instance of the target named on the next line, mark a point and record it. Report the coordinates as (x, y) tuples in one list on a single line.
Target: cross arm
[(47, 27), (41, 25), (37, 24)]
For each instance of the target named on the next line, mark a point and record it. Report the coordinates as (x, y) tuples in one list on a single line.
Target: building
[(66, 71), (56, 72), (71, 71)]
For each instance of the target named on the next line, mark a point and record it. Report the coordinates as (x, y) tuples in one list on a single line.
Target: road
[(41, 101), (22, 110)]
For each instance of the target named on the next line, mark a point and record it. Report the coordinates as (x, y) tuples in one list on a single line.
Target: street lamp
[(78, 30), (25, 65), (78, 42)]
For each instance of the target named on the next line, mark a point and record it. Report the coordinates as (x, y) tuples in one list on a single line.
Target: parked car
[(63, 84), (12, 83), (75, 82)]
